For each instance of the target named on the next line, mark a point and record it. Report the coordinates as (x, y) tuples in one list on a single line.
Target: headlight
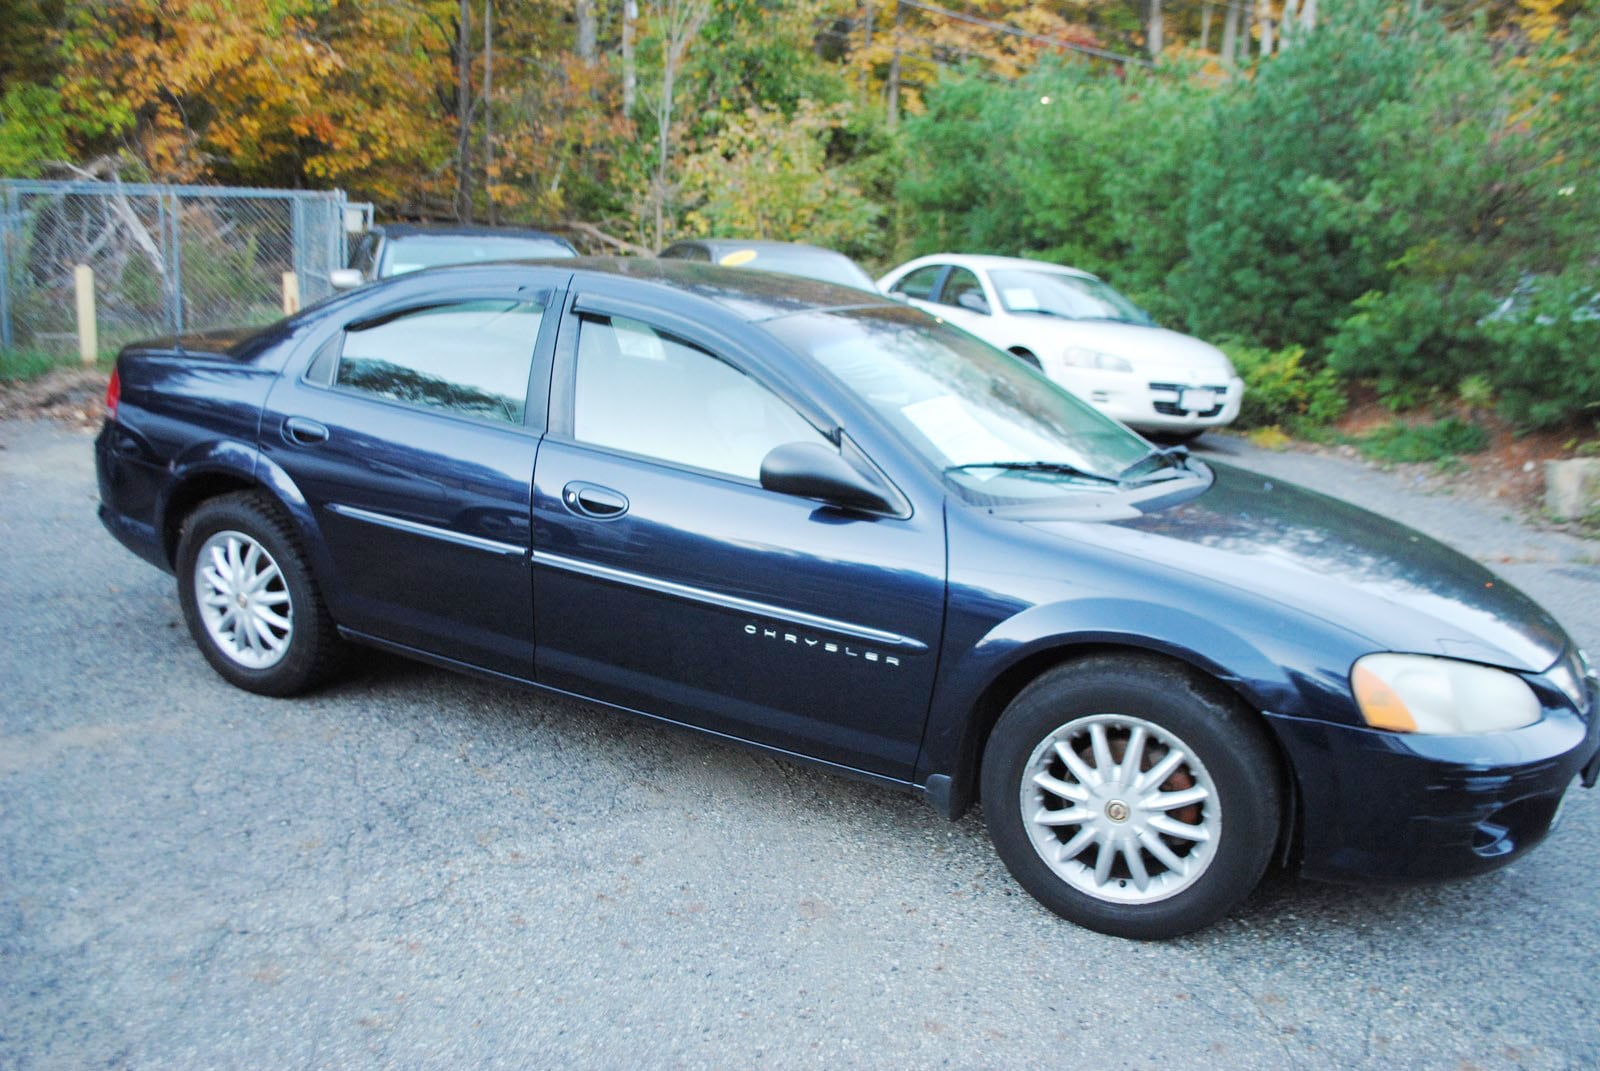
[(1419, 694), (1081, 357)]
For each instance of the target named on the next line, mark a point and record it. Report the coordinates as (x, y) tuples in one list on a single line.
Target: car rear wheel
[(1130, 798), (249, 599)]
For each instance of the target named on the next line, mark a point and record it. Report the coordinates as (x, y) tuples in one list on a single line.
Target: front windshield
[(1000, 431), (1055, 293), (417, 251)]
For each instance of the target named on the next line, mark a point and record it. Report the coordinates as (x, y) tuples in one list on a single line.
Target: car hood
[(1403, 590), (1153, 348)]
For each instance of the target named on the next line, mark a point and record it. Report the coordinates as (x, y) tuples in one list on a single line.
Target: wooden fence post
[(88, 333), (291, 293)]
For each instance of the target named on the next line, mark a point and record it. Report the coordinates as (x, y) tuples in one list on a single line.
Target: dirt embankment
[(73, 396), (1509, 472)]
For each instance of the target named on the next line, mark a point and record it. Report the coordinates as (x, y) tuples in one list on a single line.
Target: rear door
[(668, 580), (412, 432)]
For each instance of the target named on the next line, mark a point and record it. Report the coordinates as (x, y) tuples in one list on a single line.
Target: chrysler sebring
[(820, 522)]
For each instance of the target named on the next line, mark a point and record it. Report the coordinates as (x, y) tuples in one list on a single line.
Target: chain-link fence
[(166, 259)]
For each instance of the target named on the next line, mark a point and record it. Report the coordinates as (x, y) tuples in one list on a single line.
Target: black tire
[(1027, 358), (284, 642), (1223, 842)]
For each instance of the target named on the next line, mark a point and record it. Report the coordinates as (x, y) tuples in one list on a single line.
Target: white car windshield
[(1072, 297), (998, 430)]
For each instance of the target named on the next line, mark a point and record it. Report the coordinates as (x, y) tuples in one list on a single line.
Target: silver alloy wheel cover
[(1071, 805), (243, 600)]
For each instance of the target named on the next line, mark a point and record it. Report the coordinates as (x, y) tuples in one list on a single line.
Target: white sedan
[(1082, 334)]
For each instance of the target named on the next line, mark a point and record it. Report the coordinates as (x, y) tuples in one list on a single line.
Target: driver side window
[(919, 284)]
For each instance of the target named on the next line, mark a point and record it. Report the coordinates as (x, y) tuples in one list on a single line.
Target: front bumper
[(1382, 806), (1156, 402)]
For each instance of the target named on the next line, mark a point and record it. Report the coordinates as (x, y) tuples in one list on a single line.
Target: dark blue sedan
[(824, 524)]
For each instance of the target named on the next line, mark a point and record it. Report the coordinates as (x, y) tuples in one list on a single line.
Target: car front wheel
[(1130, 798), (249, 600)]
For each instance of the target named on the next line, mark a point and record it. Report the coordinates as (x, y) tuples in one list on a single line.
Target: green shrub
[(1439, 441), (1546, 367), (1280, 390), (1415, 342), (19, 365)]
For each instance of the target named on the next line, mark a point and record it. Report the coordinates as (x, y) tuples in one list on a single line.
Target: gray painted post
[(175, 264), (5, 277), (297, 241)]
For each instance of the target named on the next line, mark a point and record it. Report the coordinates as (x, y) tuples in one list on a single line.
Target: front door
[(668, 580)]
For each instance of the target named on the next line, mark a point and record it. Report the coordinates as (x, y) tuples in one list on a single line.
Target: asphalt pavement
[(413, 869)]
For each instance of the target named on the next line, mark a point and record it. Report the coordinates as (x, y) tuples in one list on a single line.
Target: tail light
[(113, 395)]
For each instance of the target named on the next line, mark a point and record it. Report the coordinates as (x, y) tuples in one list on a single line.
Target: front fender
[(1269, 665)]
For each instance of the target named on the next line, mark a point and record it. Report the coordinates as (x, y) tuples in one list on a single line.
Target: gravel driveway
[(413, 869)]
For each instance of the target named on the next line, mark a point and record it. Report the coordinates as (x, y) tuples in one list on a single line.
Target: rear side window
[(469, 358), (919, 284)]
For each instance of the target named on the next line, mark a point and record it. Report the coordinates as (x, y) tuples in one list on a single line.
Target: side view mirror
[(973, 301), (345, 278), (811, 470)]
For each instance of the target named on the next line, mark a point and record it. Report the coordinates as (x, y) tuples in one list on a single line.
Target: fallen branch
[(603, 238)]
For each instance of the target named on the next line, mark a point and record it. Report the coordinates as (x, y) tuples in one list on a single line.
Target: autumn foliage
[(1397, 192)]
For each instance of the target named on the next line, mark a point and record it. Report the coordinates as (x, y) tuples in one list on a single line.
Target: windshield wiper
[(1058, 468), (1176, 456)]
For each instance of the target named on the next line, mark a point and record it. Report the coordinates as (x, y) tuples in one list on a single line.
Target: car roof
[(987, 262), (751, 296), (758, 244)]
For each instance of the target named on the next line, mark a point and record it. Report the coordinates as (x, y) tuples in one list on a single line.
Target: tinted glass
[(414, 251), (685, 251), (919, 284), (647, 393), (471, 358), (961, 402), (961, 281), (1058, 294), (364, 253)]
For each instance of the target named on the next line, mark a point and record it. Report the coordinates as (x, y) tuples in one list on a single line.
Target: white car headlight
[(1420, 694), (1082, 357)]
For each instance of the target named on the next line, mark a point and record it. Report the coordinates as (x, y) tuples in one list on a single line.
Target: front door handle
[(591, 500), (305, 432)]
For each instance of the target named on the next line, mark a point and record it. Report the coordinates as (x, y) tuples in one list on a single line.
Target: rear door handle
[(591, 500), (305, 432)]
